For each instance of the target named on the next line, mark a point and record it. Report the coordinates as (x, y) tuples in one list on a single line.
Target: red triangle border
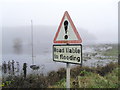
[(74, 28)]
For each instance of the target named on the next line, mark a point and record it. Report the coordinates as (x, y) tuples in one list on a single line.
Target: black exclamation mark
[(66, 27)]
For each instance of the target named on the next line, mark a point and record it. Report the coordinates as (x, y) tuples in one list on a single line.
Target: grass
[(100, 77), (94, 80), (60, 84), (91, 80), (81, 77), (111, 52)]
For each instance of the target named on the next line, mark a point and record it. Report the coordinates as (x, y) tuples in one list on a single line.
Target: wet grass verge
[(56, 79)]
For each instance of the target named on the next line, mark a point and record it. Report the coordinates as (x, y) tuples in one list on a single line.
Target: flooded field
[(93, 56)]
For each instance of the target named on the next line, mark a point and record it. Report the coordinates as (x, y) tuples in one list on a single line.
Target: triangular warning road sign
[(67, 32)]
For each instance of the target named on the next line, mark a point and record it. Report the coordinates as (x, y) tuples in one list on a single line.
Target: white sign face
[(67, 32), (68, 53)]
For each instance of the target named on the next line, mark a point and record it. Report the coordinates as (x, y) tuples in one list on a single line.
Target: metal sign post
[(68, 75)]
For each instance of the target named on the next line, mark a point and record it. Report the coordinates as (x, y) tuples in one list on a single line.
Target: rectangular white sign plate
[(71, 53)]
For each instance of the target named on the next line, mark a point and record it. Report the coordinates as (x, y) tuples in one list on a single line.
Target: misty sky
[(98, 17)]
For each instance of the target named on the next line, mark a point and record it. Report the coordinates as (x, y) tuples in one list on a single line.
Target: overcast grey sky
[(98, 17)]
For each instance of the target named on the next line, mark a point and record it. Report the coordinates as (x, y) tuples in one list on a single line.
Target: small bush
[(61, 73), (106, 69)]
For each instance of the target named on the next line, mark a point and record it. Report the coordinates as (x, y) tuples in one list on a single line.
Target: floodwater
[(44, 61), (47, 64)]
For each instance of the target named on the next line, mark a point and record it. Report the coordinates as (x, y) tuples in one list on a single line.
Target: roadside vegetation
[(81, 77), (87, 79)]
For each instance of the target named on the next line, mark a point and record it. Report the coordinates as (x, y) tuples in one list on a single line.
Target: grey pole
[(68, 76), (32, 41)]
